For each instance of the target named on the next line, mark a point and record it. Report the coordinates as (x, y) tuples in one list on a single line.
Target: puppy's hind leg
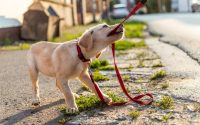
[(35, 86), (33, 72)]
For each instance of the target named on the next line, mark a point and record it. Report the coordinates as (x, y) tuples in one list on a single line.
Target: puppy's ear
[(86, 41)]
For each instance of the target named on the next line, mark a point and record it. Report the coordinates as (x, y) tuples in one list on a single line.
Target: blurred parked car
[(196, 6), (119, 11)]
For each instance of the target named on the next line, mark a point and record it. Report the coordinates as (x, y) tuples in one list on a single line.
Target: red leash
[(136, 99)]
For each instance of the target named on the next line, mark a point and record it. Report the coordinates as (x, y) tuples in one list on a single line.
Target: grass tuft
[(91, 102), (96, 64), (166, 117), (134, 114), (166, 102), (21, 46), (88, 102), (157, 65), (106, 68), (84, 87), (126, 77), (99, 77), (126, 44), (158, 75)]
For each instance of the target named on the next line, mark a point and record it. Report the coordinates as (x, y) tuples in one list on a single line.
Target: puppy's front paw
[(72, 110), (107, 99), (36, 102)]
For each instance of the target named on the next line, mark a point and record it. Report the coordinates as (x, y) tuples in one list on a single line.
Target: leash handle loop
[(135, 99)]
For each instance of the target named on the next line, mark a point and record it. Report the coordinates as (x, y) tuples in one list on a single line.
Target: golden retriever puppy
[(60, 60)]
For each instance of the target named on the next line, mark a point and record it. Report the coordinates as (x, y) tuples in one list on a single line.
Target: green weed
[(126, 77), (158, 75), (126, 44), (166, 117), (21, 46), (96, 64), (106, 68), (99, 77), (84, 87), (166, 102), (134, 114), (157, 65)]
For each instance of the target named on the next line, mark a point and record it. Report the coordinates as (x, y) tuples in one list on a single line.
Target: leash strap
[(135, 99)]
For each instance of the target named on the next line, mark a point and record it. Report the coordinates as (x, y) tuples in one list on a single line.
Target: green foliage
[(91, 102), (126, 77), (95, 64), (121, 53), (101, 65), (125, 45), (106, 68), (157, 65), (130, 67), (66, 37), (104, 62), (134, 30), (138, 91), (99, 77), (166, 117), (134, 114), (158, 75), (88, 103), (21, 46), (115, 98), (166, 102), (84, 87)]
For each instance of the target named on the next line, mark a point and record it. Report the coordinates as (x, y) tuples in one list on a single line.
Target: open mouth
[(116, 32), (120, 31)]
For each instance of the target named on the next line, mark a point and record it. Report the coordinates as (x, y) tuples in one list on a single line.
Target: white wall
[(14, 8), (183, 6)]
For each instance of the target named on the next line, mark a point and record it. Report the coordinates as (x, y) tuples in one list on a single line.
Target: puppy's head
[(96, 38)]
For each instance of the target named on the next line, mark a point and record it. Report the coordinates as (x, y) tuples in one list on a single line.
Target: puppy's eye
[(105, 26), (92, 32)]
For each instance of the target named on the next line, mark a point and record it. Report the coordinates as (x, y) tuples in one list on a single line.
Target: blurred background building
[(45, 19)]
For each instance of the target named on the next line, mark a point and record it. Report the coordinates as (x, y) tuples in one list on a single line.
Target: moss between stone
[(101, 65), (158, 75), (166, 102), (99, 77), (134, 114), (91, 102)]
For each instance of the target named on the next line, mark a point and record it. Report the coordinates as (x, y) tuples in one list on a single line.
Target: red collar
[(80, 54)]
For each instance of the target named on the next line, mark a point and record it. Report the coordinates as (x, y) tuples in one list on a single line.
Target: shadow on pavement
[(11, 120)]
